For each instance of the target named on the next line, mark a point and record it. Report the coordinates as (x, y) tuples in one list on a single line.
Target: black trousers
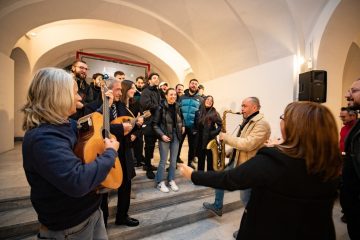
[(202, 155), (104, 207), (138, 148), (192, 141), (123, 202), (350, 203), (150, 141)]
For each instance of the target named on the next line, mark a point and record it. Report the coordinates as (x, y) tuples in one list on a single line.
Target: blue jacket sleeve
[(56, 162)]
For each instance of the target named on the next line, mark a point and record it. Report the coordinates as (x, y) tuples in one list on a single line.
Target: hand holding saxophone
[(221, 136)]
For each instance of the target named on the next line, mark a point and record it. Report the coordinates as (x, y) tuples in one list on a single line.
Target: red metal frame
[(147, 65)]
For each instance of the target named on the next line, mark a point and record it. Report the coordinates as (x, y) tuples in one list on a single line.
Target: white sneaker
[(173, 186), (162, 187)]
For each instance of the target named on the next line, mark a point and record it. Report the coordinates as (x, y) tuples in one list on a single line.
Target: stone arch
[(22, 78)]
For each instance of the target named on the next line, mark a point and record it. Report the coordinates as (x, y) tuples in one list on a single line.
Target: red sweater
[(344, 132)]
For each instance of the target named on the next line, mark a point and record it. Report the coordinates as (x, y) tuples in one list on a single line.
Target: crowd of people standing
[(280, 183)]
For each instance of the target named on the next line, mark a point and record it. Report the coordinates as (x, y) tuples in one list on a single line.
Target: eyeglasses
[(82, 68), (354, 90), (282, 117)]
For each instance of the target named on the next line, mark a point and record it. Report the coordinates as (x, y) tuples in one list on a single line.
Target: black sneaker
[(150, 175), (211, 207)]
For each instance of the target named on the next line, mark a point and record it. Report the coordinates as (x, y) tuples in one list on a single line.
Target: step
[(19, 197), (22, 221), (215, 228), (159, 220)]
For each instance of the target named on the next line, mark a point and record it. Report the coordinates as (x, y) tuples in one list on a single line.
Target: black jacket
[(286, 202), (150, 99), (163, 123), (350, 188), (94, 93)]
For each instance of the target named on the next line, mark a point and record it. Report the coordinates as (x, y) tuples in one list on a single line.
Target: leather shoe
[(150, 175), (179, 160), (128, 221)]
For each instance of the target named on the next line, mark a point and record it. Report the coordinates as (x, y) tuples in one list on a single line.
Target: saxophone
[(218, 147)]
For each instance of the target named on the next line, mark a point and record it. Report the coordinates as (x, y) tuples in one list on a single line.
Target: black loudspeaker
[(312, 86)]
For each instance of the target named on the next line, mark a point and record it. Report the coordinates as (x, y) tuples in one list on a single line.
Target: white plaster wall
[(6, 103), (272, 83)]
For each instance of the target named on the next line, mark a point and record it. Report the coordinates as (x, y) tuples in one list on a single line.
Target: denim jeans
[(164, 148), (219, 193), (92, 228)]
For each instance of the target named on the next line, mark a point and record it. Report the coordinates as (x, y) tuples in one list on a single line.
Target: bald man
[(253, 133)]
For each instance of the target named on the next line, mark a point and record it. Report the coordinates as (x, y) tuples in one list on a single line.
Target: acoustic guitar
[(93, 128)]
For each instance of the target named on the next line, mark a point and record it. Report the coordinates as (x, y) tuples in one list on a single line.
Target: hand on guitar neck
[(111, 143), (109, 95)]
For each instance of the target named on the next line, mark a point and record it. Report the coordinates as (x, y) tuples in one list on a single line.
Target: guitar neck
[(106, 114)]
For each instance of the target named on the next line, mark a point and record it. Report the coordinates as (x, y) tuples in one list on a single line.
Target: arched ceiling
[(215, 37), (84, 33)]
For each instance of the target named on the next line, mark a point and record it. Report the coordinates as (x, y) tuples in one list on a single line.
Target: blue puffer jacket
[(189, 105)]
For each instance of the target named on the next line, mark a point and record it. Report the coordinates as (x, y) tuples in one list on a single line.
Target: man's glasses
[(82, 68)]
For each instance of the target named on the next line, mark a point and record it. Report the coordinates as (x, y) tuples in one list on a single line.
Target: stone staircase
[(156, 211)]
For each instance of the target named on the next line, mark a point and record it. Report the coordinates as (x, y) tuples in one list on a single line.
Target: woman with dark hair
[(208, 125), (294, 184), (168, 123), (127, 106)]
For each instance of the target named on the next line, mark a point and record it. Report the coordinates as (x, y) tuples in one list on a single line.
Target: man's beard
[(191, 91), (81, 76), (354, 107)]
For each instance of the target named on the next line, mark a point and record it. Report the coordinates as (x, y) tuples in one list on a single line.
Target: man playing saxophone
[(253, 133)]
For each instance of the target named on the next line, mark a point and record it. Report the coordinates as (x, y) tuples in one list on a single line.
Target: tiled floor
[(12, 177)]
